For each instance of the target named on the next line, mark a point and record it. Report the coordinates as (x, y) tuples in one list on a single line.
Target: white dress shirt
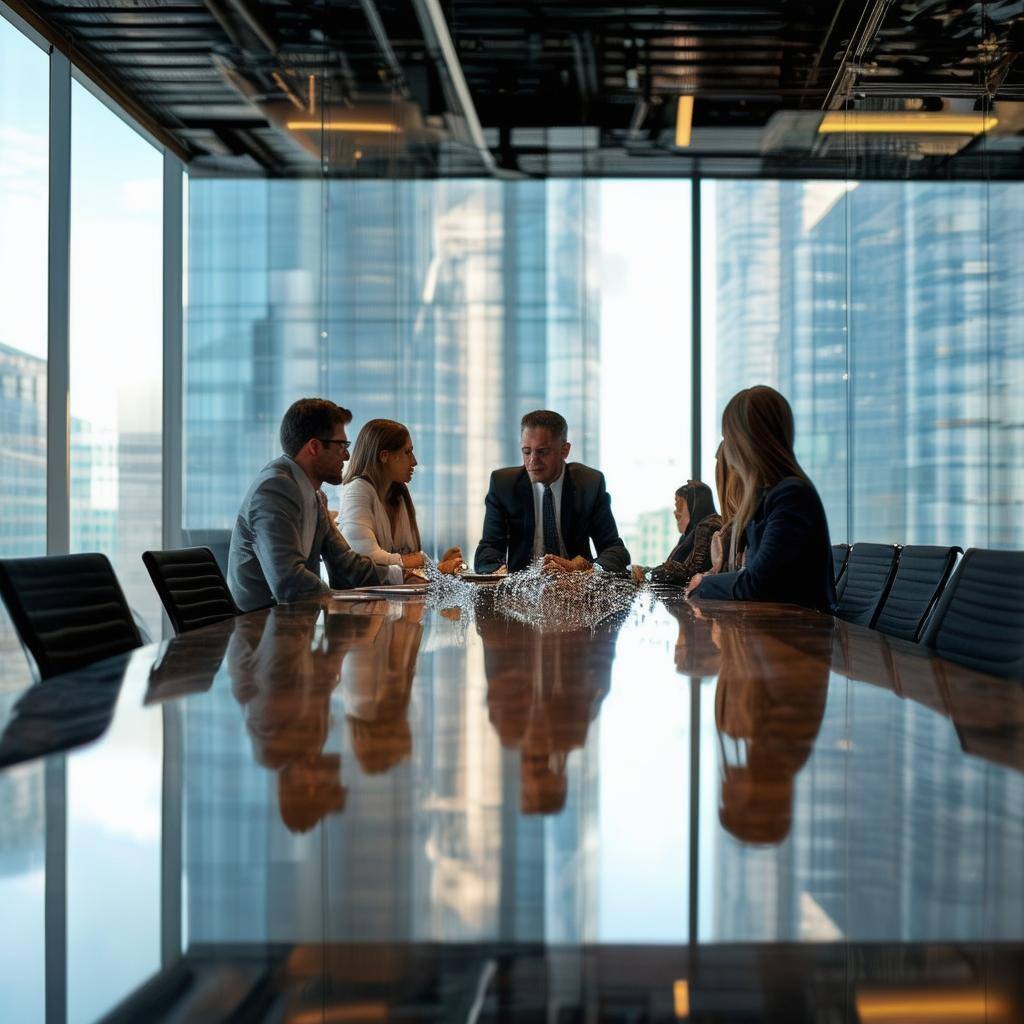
[(365, 524), (538, 513)]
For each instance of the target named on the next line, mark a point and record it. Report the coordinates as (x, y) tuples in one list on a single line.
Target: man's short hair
[(547, 420), (310, 417)]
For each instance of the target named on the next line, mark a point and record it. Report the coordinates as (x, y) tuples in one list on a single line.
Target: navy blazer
[(586, 512), (789, 553)]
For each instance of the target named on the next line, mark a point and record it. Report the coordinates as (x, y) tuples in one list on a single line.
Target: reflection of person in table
[(548, 508), (284, 679), (543, 691), (769, 702), (377, 682)]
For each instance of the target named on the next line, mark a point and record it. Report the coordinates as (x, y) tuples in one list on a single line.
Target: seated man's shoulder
[(584, 476), (275, 479), (506, 478)]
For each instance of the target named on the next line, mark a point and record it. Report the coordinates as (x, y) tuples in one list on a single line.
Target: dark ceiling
[(427, 88)]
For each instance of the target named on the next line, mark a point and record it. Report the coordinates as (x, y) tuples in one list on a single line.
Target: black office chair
[(979, 621), (69, 610), (218, 541), (865, 584), (840, 555), (921, 574), (191, 586)]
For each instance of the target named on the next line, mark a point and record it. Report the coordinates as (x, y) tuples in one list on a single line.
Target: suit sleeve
[(347, 569), (612, 555), (781, 552), (492, 551), (275, 518)]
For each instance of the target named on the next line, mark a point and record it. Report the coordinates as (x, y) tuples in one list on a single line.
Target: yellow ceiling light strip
[(684, 121), (369, 127), (932, 1007), (896, 122)]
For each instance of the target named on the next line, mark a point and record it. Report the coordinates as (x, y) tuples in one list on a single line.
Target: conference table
[(427, 808)]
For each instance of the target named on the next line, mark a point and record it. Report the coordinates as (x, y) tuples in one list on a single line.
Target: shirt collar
[(556, 484)]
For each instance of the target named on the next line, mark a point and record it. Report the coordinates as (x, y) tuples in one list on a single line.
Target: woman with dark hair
[(780, 516), (378, 518), (697, 522)]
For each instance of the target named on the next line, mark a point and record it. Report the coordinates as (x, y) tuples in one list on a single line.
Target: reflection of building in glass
[(22, 452), (454, 306), (651, 539), (934, 430)]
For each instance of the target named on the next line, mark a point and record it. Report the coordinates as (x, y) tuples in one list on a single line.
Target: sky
[(116, 273)]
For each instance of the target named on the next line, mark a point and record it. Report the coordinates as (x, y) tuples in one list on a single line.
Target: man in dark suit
[(548, 508)]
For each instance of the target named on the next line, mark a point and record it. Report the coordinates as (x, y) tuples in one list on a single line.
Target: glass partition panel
[(774, 286), (1005, 267), (454, 306), (24, 119), (24, 150), (116, 345), (919, 324)]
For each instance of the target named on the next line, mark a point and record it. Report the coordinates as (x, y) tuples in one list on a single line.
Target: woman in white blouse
[(377, 516)]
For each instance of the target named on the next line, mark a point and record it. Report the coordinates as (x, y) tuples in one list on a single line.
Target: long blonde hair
[(757, 432), (729, 487), (382, 436)]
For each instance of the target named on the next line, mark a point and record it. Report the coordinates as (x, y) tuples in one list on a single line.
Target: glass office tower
[(886, 312), (452, 306)]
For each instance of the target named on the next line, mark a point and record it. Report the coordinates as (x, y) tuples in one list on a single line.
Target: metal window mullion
[(695, 330), (173, 355), (171, 860), (58, 501), (58, 368)]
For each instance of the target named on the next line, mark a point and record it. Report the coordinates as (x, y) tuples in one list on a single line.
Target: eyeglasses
[(330, 440)]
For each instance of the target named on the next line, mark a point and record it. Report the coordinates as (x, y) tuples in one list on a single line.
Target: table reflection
[(349, 804), (543, 692), (767, 722)]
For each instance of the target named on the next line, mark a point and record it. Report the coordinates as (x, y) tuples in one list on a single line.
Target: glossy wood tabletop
[(362, 810)]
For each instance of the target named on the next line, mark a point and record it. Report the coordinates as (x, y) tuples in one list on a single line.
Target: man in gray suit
[(283, 528), (548, 508)]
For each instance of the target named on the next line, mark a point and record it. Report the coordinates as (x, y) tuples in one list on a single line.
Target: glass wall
[(24, 113), (455, 307), (116, 345), (886, 312), (24, 149)]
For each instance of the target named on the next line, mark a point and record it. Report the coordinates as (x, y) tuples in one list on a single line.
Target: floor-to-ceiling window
[(887, 313), (116, 345), (24, 116)]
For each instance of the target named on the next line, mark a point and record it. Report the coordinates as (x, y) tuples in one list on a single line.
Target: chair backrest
[(921, 574), (191, 586), (218, 541), (865, 584), (979, 621), (840, 554), (69, 610)]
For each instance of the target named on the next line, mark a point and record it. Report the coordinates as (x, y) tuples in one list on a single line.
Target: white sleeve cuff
[(395, 574)]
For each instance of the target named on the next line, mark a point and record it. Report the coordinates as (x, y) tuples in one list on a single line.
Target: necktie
[(552, 545)]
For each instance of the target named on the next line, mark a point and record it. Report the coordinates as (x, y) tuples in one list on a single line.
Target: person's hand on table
[(717, 553), (694, 584), (451, 562), (637, 571), (555, 564), (414, 561)]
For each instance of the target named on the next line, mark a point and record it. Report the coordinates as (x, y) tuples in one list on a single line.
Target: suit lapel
[(566, 516), (524, 495)]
